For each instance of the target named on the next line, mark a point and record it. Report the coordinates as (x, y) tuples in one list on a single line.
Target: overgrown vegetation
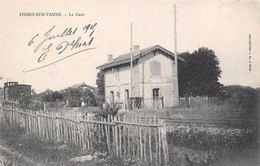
[(41, 152), (185, 148), (38, 150), (107, 110), (69, 97), (234, 102), (231, 103), (246, 99), (202, 148)]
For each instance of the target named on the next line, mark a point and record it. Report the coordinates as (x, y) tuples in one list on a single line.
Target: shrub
[(246, 98), (213, 148), (107, 110)]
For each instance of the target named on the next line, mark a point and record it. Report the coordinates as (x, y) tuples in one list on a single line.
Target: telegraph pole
[(131, 62), (176, 89)]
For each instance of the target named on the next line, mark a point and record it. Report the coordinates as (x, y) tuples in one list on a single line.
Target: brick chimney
[(136, 49), (110, 57)]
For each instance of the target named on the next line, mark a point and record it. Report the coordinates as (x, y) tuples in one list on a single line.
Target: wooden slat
[(129, 137), (124, 137), (150, 142), (156, 142)]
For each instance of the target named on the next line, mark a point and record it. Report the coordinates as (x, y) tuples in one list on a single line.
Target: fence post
[(164, 143), (162, 103), (150, 142), (58, 129), (124, 138), (107, 129), (116, 137), (44, 107)]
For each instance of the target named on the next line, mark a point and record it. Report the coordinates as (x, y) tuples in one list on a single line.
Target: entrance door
[(156, 100), (112, 99), (126, 99)]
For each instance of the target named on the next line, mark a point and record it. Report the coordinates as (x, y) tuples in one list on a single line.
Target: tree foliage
[(246, 98), (81, 95), (199, 73), (100, 82), (101, 87), (73, 95)]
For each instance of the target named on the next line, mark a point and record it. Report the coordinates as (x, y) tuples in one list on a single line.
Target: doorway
[(112, 99), (126, 99), (156, 99)]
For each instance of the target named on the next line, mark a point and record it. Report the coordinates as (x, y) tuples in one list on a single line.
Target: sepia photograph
[(130, 83)]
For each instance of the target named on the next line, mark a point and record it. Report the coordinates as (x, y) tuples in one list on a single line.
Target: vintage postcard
[(123, 54)]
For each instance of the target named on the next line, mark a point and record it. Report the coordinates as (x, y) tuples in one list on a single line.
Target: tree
[(33, 93), (57, 96), (47, 96), (199, 73), (88, 97), (101, 87)]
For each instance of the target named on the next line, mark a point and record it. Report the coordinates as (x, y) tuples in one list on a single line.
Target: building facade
[(83, 101), (153, 77), (13, 90)]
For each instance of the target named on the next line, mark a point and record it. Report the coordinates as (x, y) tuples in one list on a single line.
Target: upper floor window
[(116, 73), (155, 69)]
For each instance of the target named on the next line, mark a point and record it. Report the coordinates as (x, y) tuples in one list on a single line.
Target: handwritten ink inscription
[(43, 43)]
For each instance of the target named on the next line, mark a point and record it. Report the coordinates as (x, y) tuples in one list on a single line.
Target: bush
[(204, 148), (107, 110), (246, 98)]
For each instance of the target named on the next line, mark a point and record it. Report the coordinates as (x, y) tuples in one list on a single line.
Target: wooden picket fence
[(123, 137), (201, 101)]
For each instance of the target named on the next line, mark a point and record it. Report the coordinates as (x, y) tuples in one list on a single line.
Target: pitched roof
[(125, 58), (81, 85)]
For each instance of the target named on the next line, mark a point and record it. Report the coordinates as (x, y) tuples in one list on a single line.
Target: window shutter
[(155, 69)]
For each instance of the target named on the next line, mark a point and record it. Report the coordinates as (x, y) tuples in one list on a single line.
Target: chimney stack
[(110, 57), (136, 49)]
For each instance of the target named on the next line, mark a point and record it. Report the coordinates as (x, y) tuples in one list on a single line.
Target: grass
[(200, 148), (197, 110), (31, 150), (187, 149), (38, 150), (184, 148), (206, 111)]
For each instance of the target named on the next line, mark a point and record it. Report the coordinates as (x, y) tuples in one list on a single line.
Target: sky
[(227, 27)]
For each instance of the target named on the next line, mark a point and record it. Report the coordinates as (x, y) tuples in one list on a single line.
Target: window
[(156, 93), (116, 73), (112, 98), (126, 99), (126, 95), (156, 99), (155, 69)]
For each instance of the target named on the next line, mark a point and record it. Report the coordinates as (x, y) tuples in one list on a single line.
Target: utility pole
[(131, 62), (176, 88)]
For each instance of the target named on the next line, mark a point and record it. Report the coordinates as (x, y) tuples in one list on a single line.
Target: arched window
[(126, 94), (112, 98)]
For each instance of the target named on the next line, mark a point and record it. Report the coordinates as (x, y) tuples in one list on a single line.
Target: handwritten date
[(46, 44)]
